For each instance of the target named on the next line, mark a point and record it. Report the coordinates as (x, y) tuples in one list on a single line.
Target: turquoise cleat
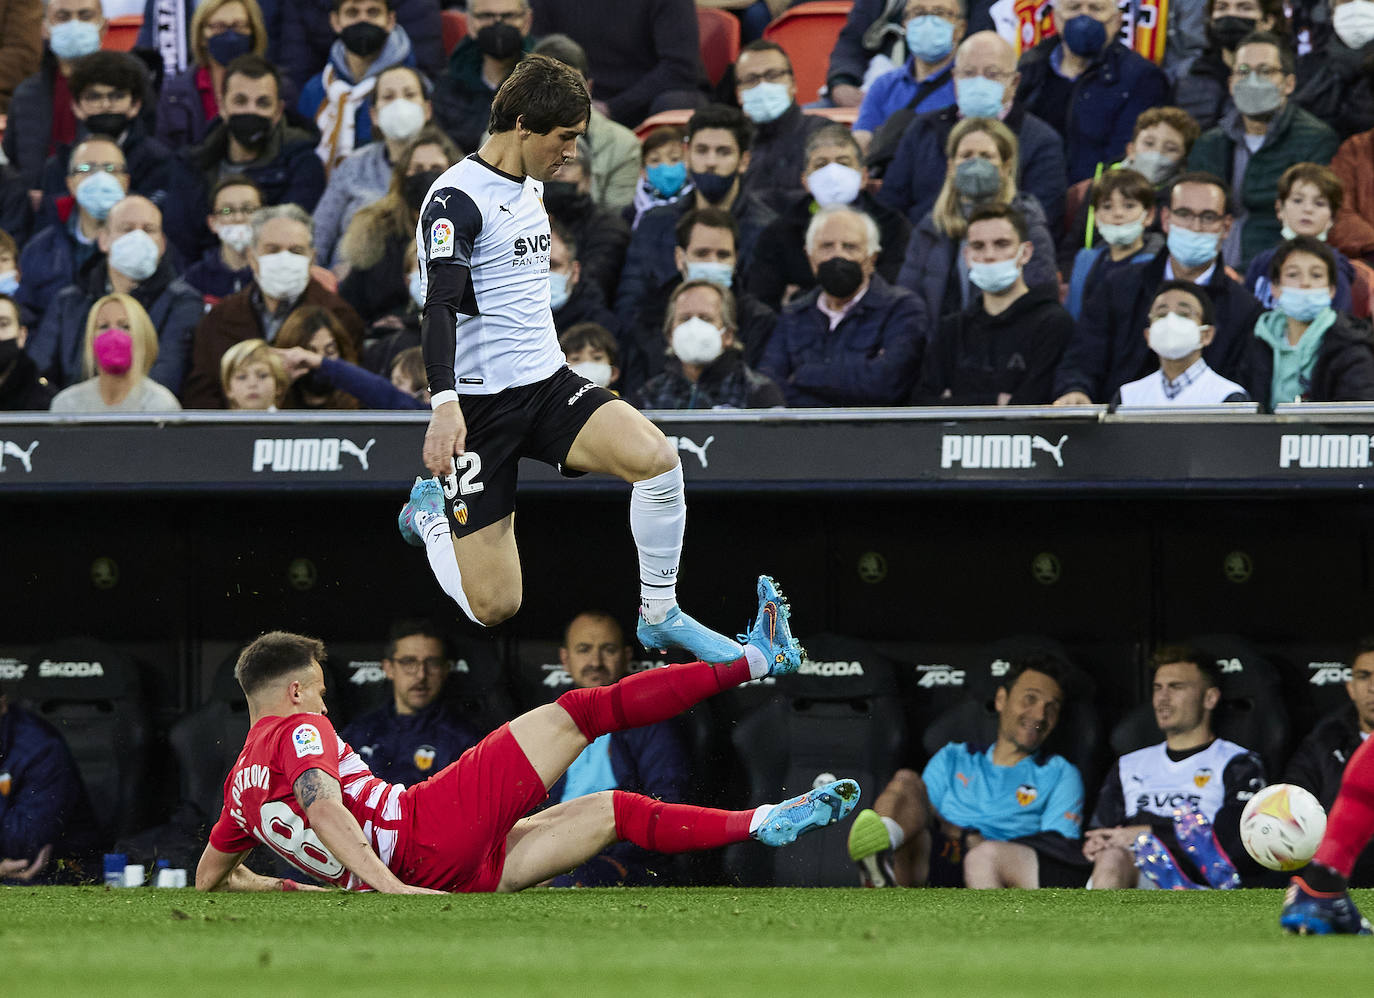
[(771, 632), (814, 809), (1319, 913), (680, 631), (426, 496)]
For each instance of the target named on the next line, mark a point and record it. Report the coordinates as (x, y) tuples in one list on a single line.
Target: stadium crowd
[(1103, 204)]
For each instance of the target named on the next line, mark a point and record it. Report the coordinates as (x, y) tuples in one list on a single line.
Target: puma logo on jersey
[(443, 200)]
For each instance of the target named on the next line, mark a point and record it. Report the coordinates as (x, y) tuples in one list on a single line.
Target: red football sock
[(1351, 821), (650, 696), (659, 827)]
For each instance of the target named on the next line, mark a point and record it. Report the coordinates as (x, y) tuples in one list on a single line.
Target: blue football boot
[(1199, 841), (771, 631), (816, 808), (426, 496), (680, 631), (1153, 860), (1320, 913)]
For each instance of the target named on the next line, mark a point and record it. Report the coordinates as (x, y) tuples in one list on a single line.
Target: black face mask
[(500, 40), (363, 38), (713, 186), (250, 129), (110, 123), (560, 195), (417, 185), (314, 383), (838, 277), (1226, 32), (9, 353)]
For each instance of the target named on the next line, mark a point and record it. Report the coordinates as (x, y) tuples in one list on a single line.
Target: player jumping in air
[(298, 788), (500, 387)]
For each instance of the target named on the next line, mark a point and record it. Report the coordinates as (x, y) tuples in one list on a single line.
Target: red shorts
[(460, 817)]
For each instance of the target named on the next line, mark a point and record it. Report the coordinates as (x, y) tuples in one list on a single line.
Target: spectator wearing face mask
[(985, 82), (833, 174), (591, 351), (1304, 350), (855, 340), (663, 176), (253, 377), (322, 363), (224, 270), (1122, 208), (1204, 91), (1181, 327), (767, 91), (307, 36), (498, 37), (1332, 83), (339, 98), (97, 180), (119, 349), (574, 301), (374, 247), (1309, 198), (601, 235), (21, 386), (1003, 348), (705, 368), (134, 264)]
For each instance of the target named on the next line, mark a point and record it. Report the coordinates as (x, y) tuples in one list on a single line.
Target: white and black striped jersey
[(1151, 782)]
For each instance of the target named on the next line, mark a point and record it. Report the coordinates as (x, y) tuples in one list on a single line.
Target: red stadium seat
[(844, 115), (676, 117), (807, 33), (122, 32), (455, 29), (719, 33)]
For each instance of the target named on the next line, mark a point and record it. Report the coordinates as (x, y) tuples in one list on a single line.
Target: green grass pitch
[(667, 942)]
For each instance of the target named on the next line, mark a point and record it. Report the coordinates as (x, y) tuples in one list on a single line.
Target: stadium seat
[(477, 687), (844, 115), (455, 27), (807, 33), (121, 33), (677, 117), (93, 695), (1314, 674), (536, 677), (355, 683), (840, 715), (719, 33), (208, 740)]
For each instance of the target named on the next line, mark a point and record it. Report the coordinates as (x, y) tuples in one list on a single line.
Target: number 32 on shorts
[(463, 480)]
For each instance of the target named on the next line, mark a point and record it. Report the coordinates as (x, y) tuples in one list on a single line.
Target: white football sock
[(434, 530), (760, 813), (758, 665), (658, 519), (895, 835)]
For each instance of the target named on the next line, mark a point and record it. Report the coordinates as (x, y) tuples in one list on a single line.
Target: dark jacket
[(462, 99), (303, 48), (410, 748), (1295, 136), (1342, 372), (173, 306), (586, 303), (373, 391), (1334, 88), (913, 179), (602, 238), (181, 117), (16, 212), (649, 260), (726, 383), (148, 161), (45, 801), (213, 279), (236, 319), (30, 121), (21, 389), (1318, 763), (378, 290), (871, 358), (780, 253), (1108, 347), (287, 172), (975, 357), (1106, 99), (51, 260), (1204, 91), (931, 266), (778, 155)]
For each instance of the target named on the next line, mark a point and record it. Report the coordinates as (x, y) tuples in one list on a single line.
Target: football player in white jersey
[(501, 389)]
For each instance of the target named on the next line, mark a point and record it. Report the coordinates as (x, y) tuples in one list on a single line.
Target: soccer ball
[(1282, 826)]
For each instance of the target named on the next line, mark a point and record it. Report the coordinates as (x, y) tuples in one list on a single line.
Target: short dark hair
[(1128, 183), (1172, 654), (1323, 178), (761, 45), (274, 655), (255, 67), (546, 93), (1050, 665), (712, 218), (336, 5), (830, 134), (663, 135), (411, 628), (590, 334), (234, 180), (1203, 299), (1201, 177), (988, 212), (1302, 244), (595, 615), (565, 50), (565, 236), (118, 70), (1287, 61), (730, 119), (1364, 644)]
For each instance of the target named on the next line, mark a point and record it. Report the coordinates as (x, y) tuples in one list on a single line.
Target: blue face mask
[(765, 102), (98, 193), (722, 274), (73, 39), (1304, 304), (994, 278), (1085, 36), (930, 38), (1192, 249), (558, 290), (9, 282), (979, 97), (667, 178)]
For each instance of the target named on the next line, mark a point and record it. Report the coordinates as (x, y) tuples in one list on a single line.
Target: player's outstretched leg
[(423, 522)]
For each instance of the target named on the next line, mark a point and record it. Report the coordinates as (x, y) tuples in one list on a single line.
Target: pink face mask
[(114, 350)]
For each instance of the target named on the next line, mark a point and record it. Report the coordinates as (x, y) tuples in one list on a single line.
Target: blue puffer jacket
[(872, 357), (44, 801), (306, 36)]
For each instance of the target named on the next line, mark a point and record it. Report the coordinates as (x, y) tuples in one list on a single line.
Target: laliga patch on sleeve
[(441, 239), (307, 740)]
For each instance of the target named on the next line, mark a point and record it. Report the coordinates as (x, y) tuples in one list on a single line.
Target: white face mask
[(598, 372), (401, 120), (283, 275), (697, 342), (1124, 234), (1354, 23), (835, 184), (1287, 233), (1174, 336), (238, 236)]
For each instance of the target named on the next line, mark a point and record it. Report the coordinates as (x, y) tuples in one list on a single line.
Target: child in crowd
[(591, 351), (253, 376)]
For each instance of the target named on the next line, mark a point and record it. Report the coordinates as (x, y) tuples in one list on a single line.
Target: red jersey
[(260, 803)]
